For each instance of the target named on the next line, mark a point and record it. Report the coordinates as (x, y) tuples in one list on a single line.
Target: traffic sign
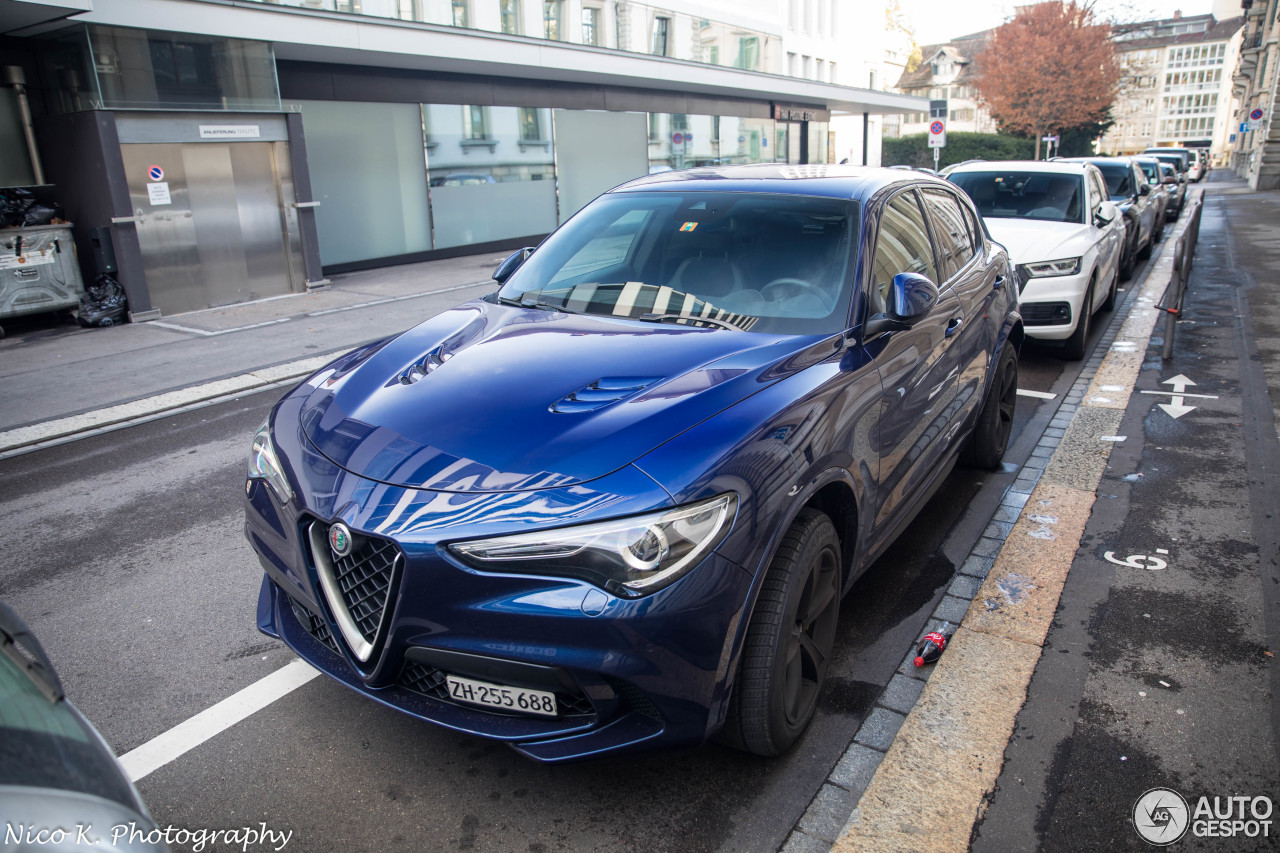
[(677, 138), (155, 173), (1256, 115), (937, 134)]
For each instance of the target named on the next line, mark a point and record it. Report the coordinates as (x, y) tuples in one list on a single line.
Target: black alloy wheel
[(788, 644), (1074, 348), (987, 443)]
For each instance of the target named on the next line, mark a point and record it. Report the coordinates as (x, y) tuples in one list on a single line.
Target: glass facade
[(679, 141)]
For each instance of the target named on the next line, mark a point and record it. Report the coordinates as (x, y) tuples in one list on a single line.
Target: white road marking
[(187, 735), (1039, 395)]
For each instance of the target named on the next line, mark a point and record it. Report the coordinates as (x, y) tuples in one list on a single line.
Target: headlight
[(1066, 266), (264, 465), (629, 557)]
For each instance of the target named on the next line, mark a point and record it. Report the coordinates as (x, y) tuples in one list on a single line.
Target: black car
[(1128, 187)]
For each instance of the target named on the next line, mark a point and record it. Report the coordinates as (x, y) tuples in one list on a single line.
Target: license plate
[(516, 699)]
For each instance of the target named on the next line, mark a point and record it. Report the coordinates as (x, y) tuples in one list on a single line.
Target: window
[(748, 53), (509, 13), (551, 19), (661, 34), (793, 65), (871, 78), (902, 246), (476, 121), (461, 18), (591, 25), (409, 10), (530, 124), (955, 242)]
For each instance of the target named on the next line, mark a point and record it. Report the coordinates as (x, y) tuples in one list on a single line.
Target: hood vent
[(419, 369), (604, 392)]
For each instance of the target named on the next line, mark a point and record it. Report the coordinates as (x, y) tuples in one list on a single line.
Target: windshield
[(1048, 196), (750, 261), (1150, 168), (1119, 178)]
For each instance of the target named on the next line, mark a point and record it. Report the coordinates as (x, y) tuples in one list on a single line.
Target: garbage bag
[(14, 204), (103, 303), (39, 214)]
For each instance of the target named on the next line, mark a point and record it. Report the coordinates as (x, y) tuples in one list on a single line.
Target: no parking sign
[(155, 173)]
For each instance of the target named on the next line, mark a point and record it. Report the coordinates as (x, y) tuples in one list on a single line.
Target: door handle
[(999, 283), (954, 326)]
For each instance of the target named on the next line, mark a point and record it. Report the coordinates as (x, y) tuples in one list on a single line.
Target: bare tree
[(1051, 68)]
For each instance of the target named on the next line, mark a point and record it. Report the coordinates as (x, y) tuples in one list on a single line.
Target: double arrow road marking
[(1176, 407)]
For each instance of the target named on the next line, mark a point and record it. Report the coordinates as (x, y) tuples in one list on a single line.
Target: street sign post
[(1052, 144), (937, 139)]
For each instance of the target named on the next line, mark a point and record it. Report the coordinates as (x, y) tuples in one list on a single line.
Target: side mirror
[(1145, 189), (1107, 211), (1170, 179), (511, 264), (911, 297)]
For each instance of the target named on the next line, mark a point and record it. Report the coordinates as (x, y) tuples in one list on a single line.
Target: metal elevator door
[(219, 230)]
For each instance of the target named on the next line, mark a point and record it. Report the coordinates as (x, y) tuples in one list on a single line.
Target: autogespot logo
[(1161, 816)]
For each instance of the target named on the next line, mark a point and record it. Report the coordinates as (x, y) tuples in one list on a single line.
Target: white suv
[(1063, 234)]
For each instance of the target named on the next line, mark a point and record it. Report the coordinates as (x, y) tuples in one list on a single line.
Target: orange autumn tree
[(1051, 68)]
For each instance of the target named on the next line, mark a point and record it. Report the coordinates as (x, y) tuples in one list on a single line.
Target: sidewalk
[(1123, 637), (113, 375)]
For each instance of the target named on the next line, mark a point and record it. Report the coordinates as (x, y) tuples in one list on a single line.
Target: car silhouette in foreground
[(61, 787), (616, 504)]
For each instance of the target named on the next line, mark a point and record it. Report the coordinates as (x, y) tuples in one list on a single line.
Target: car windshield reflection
[(1024, 195), (745, 261)]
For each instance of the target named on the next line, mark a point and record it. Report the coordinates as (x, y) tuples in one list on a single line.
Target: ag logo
[(340, 539), (1161, 816)]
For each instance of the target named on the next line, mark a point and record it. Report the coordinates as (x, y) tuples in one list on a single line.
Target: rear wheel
[(1075, 345), (986, 445), (789, 641)]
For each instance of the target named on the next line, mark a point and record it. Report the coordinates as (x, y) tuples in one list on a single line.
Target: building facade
[(947, 72), (1176, 84), (230, 151), (1255, 154)]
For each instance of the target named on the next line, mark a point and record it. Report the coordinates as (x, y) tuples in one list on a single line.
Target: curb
[(24, 439), (919, 768)]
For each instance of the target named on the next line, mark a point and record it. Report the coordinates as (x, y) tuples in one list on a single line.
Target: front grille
[(429, 681), (364, 577), (1045, 313), (313, 625), (356, 586)]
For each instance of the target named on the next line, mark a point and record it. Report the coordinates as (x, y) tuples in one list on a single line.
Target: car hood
[(489, 397), (1029, 240)]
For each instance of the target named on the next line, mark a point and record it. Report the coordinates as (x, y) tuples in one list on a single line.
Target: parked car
[(1191, 163), (1065, 235), (616, 504), (1127, 186), (61, 787), (1175, 183), (1160, 196)]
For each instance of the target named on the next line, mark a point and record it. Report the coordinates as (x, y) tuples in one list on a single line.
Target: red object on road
[(931, 647)]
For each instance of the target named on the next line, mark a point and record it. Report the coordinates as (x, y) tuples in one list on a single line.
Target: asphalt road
[(143, 591)]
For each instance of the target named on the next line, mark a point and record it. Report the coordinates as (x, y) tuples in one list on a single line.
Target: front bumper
[(626, 673), (1041, 300)]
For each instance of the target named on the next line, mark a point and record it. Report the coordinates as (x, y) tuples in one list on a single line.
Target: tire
[(1145, 252), (789, 640), (1158, 235), (1109, 304), (1127, 259), (987, 443), (1073, 349)]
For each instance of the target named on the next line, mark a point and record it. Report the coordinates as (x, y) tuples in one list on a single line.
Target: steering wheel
[(804, 286)]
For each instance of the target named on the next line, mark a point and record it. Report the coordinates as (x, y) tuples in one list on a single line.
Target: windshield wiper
[(664, 318), (536, 303)]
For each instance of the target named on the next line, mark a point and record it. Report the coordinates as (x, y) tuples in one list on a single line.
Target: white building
[(300, 138)]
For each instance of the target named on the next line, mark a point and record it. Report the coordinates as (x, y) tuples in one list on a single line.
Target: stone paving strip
[(919, 768), (47, 431)]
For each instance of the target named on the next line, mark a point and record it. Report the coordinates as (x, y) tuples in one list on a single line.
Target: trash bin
[(38, 271)]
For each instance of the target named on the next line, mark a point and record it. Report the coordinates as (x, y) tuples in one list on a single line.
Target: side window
[(1139, 177), (901, 246), (955, 241), (1097, 192)]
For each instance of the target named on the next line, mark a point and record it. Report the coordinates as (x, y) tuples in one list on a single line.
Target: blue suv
[(616, 503)]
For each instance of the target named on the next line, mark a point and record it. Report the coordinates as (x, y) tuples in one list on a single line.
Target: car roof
[(848, 182), (1048, 167)]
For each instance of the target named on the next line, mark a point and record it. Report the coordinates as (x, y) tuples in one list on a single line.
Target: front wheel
[(789, 641), (985, 447), (1076, 344)]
